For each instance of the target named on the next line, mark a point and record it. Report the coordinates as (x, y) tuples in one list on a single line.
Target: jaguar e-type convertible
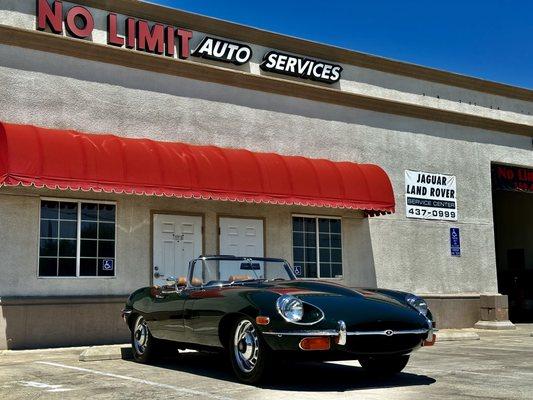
[(256, 310)]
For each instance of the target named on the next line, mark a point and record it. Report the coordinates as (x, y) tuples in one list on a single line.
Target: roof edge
[(231, 30), (48, 42)]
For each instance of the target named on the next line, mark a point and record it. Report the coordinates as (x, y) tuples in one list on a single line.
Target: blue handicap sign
[(297, 270), (107, 265), (455, 242)]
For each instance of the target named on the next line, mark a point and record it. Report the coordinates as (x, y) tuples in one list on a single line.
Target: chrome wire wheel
[(246, 346), (140, 335)]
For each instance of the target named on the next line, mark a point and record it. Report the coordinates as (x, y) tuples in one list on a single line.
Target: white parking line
[(44, 386), (143, 381)]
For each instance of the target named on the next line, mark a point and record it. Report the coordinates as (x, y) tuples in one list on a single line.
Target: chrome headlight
[(290, 308), (417, 303)]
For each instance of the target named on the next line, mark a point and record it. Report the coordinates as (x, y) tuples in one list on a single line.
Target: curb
[(495, 325), (102, 353), (449, 335), (39, 350)]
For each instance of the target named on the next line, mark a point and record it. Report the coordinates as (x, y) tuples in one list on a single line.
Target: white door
[(177, 240), (240, 237)]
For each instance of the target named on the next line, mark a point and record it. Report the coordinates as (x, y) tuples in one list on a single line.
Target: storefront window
[(317, 248), (77, 239)]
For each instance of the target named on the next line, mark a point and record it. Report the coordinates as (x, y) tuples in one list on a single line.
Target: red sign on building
[(516, 179)]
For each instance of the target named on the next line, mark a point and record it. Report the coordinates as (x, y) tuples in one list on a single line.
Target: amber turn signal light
[(315, 343), (430, 341), (262, 320)]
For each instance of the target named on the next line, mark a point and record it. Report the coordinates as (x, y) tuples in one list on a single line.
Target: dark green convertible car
[(256, 311)]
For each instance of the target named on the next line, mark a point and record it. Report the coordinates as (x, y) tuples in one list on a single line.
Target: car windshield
[(220, 271)]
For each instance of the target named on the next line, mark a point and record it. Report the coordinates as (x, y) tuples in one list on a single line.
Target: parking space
[(498, 367)]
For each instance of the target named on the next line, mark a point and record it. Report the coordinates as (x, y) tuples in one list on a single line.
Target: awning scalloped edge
[(194, 195)]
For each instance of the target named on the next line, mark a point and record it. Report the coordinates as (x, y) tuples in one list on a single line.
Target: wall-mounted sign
[(139, 34), (455, 242), (174, 42), (516, 179), (430, 196), (301, 67), (222, 50)]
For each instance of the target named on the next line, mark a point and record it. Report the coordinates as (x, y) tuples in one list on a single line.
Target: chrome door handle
[(158, 275)]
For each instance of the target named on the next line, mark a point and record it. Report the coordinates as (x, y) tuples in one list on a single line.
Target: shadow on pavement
[(309, 376)]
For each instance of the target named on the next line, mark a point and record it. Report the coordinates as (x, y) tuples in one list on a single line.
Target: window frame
[(316, 217), (78, 237)]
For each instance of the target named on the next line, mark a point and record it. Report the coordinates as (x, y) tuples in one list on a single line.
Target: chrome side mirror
[(170, 286), (171, 281)]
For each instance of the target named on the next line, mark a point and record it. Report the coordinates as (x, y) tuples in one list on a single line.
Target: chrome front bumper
[(341, 333), (125, 314)]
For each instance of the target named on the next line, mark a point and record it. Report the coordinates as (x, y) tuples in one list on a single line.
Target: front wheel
[(384, 365), (142, 342), (249, 354)]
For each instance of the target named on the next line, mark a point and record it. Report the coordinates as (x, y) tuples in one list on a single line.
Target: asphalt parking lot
[(498, 366)]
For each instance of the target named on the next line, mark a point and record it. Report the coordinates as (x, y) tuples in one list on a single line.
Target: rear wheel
[(384, 365), (248, 352)]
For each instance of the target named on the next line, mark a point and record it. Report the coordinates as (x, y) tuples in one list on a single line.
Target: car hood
[(360, 309), (306, 289)]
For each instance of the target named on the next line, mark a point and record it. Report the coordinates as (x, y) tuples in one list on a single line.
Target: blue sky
[(488, 39)]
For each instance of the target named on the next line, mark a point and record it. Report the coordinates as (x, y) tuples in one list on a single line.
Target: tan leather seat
[(196, 281), (236, 278), (182, 281)]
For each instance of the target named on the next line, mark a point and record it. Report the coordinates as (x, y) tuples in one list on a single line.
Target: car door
[(165, 318), (204, 306), (204, 309)]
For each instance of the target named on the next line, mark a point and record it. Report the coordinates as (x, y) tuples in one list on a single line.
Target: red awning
[(60, 159)]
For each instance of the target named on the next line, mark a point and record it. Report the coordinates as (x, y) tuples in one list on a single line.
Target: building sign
[(139, 35), (301, 67), (430, 196), (516, 179), (222, 50), (174, 42), (455, 242)]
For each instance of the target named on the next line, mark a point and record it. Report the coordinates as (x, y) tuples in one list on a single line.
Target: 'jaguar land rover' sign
[(430, 196)]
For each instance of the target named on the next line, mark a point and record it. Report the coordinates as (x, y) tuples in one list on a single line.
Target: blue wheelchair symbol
[(107, 265), (455, 242), (297, 270)]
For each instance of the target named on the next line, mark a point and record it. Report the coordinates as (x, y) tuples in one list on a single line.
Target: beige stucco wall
[(33, 323), (19, 251), (369, 82), (67, 93), (391, 251)]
